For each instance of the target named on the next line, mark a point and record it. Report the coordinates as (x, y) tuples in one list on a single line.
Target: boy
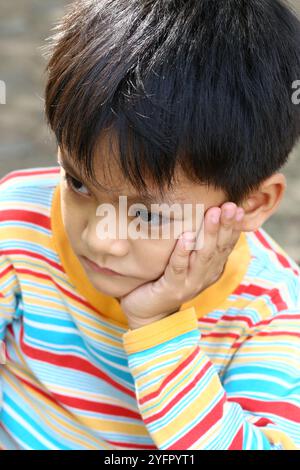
[(185, 102)]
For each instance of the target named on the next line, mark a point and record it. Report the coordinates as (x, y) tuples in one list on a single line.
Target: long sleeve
[(8, 294), (185, 404), (9, 286), (9, 291)]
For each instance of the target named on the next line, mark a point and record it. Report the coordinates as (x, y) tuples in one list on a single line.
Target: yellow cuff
[(160, 331)]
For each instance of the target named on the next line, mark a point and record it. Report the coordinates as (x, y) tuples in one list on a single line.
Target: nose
[(100, 241)]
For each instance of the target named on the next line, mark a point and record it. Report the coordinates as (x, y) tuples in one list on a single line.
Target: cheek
[(154, 255)]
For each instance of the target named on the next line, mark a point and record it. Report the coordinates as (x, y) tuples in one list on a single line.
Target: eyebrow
[(144, 198)]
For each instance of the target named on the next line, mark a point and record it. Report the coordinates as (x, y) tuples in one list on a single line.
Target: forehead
[(183, 190)]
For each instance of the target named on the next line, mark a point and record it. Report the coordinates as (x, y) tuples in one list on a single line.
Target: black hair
[(203, 85)]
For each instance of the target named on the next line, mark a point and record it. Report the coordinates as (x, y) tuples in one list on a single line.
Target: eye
[(152, 217), (74, 184)]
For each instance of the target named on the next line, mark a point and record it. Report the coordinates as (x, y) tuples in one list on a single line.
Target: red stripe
[(83, 404), (237, 443), (17, 173), (121, 444), (278, 301), (286, 317), (220, 335), (71, 362), (104, 408), (238, 344), (257, 291), (48, 395), (132, 446), (262, 422), (236, 318), (179, 396), (208, 320), (282, 259), (187, 441), (37, 218), (278, 317), (32, 254), (252, 289), (168, 379), (46, 277), (283, 409), (278, 333), (9, 328), (70, 295), (33, 273), (273, 333), (6, 270)]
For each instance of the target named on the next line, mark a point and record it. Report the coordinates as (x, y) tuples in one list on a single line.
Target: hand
[(188, 271)]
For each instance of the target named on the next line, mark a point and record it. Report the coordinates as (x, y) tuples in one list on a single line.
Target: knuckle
[(224, 250), (226, 225), (207, 256), (178, 269)]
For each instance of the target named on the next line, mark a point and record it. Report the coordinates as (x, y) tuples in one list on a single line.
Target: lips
[(98, 268)]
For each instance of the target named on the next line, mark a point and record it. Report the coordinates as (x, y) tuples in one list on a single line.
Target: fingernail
[(229, 212), (215, 218)]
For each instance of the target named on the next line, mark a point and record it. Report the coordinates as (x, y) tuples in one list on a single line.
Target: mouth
[(95, 267)]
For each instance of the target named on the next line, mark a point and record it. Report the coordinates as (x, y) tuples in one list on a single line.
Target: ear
[(262, 203)]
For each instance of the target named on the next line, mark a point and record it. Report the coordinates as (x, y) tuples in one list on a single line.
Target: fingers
[(178, 265), (221, 232), (210, 235), (229, 227)]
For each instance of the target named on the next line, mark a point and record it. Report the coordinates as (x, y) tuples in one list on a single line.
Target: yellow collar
[(207, 301)]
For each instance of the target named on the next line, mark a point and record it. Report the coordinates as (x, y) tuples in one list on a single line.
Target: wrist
[(135, 323)]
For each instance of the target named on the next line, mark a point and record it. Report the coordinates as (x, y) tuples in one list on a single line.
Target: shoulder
[(271, 253), (25, 200), (35, 179), (272, 273), (28, 187)]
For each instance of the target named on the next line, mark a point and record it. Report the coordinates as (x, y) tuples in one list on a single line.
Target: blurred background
[(26, 142)]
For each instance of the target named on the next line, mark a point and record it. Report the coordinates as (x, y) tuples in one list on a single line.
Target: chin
[(113, 289)]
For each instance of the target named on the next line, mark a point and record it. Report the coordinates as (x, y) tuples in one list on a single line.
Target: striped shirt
[(221, 373)]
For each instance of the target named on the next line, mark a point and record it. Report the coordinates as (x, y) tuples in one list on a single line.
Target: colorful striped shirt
[(222, 373)]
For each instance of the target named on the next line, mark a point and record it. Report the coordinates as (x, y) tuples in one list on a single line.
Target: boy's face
[(138, 260)]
